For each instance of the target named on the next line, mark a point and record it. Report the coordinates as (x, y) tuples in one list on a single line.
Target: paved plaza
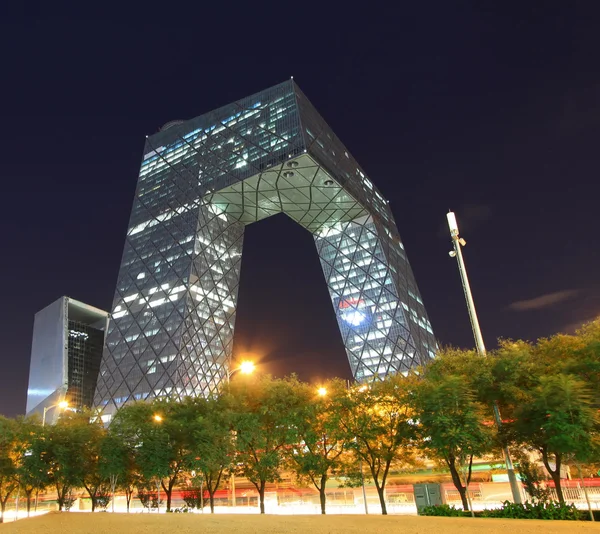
[(100, 523)]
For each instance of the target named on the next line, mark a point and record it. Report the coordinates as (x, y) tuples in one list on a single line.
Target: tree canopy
[(548, 393)]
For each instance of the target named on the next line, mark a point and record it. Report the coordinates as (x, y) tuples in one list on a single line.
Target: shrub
[(149, 499), (441, 510), (535, 510), (182, 510), (510, 510), (533, 478), (68, 501), (195, 498), (102, 501)]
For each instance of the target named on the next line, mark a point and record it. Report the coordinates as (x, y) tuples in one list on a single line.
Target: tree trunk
[(559, 493), (261, 493), (128, 495), (4, 501), (211, 498), (60, 498), (381, 493), (212, 485), (380, 486), (28, 494), (93, 493), (322, 496), (457, 482), (467, 480), (555, 474), (113, 485), (169, 491)]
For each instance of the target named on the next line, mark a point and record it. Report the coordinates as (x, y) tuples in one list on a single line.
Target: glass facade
[(68, 338), (48, 365), (201, 181), (84, 349)]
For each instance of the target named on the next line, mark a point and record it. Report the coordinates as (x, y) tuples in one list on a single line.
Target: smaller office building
[(68, 338)]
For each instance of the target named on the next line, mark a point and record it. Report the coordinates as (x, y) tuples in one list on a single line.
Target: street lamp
[(458, 243), (157, 419), (246, 368), (322, 391), (62, 404)]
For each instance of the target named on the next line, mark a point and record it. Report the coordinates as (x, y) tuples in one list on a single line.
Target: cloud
[(543, 301), (571, 328)]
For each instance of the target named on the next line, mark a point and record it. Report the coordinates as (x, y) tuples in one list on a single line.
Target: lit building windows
[(199, 184)]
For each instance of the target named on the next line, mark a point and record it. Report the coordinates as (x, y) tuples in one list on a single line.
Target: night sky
[(491, 109)]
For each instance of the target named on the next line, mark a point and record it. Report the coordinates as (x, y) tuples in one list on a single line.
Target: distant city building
[(68, 337), (201, 182)]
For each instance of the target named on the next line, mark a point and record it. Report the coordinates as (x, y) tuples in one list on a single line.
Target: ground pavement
[(101, 523)]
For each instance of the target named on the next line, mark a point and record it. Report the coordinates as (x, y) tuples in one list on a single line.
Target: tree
[(195, 494), (451, 425), (158, 432), (493, 380), (117, 465), (210, 442), (32, 470), (579, 355), (90, 437), (260, 416), (318, 442), (378, 423), (533, 478), (550, 397), (559, 422), (148, 495), (63, 454), (8, 464)]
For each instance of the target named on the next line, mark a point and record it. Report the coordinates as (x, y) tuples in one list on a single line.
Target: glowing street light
[(322, 392), (158, 419), (62, 405), (246, 368)]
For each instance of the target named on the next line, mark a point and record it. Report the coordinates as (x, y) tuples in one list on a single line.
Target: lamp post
[(246, 367), (157, 418), (62, 404), (458, 243)]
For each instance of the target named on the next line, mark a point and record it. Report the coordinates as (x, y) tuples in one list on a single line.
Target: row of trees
[(548, 394)]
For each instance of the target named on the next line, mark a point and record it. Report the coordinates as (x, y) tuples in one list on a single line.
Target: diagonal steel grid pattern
[(201, 181)]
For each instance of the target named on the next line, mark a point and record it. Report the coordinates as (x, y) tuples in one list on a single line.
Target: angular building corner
[(68, 337), (200, 183)]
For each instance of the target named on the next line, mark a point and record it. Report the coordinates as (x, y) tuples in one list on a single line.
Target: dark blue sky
[(489, 108)]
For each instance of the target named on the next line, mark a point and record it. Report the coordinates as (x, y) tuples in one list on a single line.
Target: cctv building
[(200, 183)]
